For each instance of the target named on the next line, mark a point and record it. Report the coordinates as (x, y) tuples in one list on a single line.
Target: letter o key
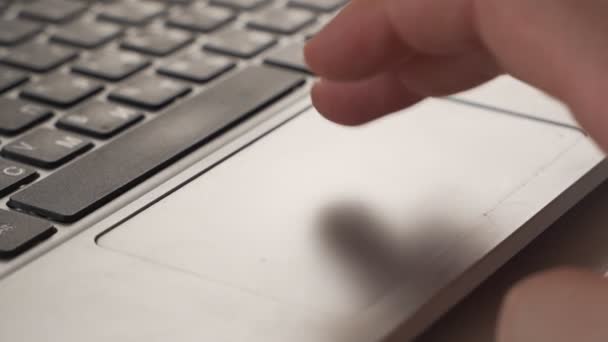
[(13, 171)]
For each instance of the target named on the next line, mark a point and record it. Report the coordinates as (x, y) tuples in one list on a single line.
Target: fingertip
[(314, 96), (319, 54), (323, 103), (311, 57), (356, 44), (356, 103), (329, 106)]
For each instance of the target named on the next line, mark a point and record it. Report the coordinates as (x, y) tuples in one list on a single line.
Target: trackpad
[(329, 218)]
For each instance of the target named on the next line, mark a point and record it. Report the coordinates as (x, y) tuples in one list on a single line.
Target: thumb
[(558, 306)]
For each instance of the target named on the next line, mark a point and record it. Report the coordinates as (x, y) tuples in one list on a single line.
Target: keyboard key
[(38, 57), (159, 43), (315, 28), (100, 119), (290, 57), (177, 2), (10, 78), (61, 90), (200, 18), (132, 13), (199, 68), (282, 20), (17, 116), (239, 43), (241, 5), (16, 31), (111, 66), (93, 1), (86, 35), (4, 4), (319, 5), (138, 154), (149, 92), (46, 148), (52, 11), (13, 176), (19, 232)]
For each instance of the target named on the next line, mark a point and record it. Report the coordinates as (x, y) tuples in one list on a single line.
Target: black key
[(46, 148), (86, 35), (239, 43), (132, 13), (61, 90), (159, 43), (78, 189), (241, 5), (13, 176), (111, 66), (319, 5), (17, 116), (199, 68), (19, 232), (149, 92), (290, 57), (38, 57), (52, 11), (100, 119), (200, 18), (282, 20), (15, 31), (4, 4), (10, 78)]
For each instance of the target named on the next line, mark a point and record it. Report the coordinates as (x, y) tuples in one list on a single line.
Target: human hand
[(378, 56), (564, 305)]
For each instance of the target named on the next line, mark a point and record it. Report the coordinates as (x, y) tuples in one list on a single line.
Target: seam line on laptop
[(515, 114)]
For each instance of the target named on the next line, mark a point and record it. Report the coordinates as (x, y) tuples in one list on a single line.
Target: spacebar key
[(90, 182)]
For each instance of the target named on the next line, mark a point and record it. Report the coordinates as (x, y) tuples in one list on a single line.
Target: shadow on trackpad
[(328, 218)]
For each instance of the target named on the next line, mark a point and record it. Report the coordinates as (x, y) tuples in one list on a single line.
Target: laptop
[(164, 177)]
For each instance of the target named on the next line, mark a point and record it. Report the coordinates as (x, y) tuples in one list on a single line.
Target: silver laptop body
[(291, 228), (287, 227)]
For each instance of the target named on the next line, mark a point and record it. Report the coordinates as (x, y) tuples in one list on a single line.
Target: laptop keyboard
[(88, 85)]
